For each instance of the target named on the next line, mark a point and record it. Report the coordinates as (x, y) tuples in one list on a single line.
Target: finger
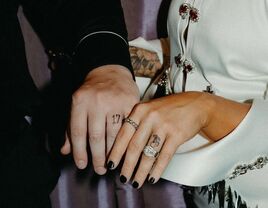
[(168, 150), (66, 148), (156, 141), (114, 122), (97, 127), (121, 142), (135, 148), (78, 134)]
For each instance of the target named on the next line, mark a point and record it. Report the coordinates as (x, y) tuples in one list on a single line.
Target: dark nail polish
[(135, 184), (151, 180), (123, 179), (110, 165)]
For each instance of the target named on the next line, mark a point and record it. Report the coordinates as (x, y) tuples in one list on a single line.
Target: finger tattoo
[(156, 141), (116, 118)]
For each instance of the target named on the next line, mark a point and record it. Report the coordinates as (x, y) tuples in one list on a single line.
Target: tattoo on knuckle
[(116, 118), (156, 141)]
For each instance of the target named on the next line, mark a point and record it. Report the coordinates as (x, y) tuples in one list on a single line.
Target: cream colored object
[(229, 47)]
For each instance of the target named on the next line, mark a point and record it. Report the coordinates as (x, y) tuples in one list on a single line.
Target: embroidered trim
[(243, 169)]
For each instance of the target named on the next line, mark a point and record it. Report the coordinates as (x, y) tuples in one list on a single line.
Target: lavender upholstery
[(81, 189)]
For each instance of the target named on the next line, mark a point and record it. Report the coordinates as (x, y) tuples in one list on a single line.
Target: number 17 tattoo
[(116, 118)]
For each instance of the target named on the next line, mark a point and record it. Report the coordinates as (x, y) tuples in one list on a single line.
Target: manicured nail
[(81, 164), (110, 165), (152, 180), (135, 184), (123, 179)]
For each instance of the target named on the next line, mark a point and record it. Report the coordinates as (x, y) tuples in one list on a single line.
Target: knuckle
[(154, 115), (133, 147), (112, 135), (76, 133), (140, 108), (142, 173), (160, 167), (78, 97), (127, 169), (168, 127), (96, 137), (165, 157), (180, 133)]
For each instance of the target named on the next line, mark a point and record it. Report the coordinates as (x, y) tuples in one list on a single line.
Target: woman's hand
[(166, 123)]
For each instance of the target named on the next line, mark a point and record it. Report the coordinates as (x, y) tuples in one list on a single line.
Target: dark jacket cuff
[(99, 49)]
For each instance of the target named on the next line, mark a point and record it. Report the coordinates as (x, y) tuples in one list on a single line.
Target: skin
[(174, 119), (98, 107), (145, 63)]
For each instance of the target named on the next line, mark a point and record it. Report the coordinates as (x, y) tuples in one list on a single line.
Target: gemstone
[(194, 14), (184, 10), (178, 60)]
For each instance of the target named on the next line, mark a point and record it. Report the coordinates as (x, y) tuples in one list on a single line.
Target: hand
[(98, 107), (165, 124)]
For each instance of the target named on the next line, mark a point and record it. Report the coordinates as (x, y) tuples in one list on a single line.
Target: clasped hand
[(107, 95), (164, 124)]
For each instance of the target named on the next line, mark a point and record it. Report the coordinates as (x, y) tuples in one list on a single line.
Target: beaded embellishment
[(243, 169)]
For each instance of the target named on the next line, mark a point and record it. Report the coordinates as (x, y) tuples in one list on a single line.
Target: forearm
[(89, 33), (223, 116), (148, 57)]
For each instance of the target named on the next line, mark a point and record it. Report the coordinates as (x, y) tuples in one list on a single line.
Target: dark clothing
[(27, 172)]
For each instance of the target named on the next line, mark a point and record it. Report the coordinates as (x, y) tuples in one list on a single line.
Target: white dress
[(227, 48)]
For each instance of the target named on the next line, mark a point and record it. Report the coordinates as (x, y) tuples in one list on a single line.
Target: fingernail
[(110, 165), (152, 180), (81, 164), (123, 179), (100, 170), (135, 184)]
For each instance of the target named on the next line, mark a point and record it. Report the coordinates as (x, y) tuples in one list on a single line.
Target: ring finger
[(150, 153)]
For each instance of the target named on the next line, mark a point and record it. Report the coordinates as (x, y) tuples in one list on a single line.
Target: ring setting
[(149, 151), (132, 123)]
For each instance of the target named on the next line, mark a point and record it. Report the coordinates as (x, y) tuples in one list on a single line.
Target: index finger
[(122, 140)]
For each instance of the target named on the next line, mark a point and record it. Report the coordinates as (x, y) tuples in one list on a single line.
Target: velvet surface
[(83, 189)]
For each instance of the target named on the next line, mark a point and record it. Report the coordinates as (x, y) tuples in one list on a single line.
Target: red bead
[(194, 14), (184, 10), (178, 60), (188, 68)]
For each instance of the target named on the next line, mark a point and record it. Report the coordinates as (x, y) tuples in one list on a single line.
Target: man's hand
[(106, 97)]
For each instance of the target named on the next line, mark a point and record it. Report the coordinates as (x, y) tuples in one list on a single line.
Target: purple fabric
[(141, 17), (83, 189)]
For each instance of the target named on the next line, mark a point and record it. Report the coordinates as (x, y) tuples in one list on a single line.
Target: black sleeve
[(91, 32)]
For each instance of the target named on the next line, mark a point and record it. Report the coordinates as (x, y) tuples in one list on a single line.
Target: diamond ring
[(149, 151)]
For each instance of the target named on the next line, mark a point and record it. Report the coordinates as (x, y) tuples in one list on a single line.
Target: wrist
[(223, 116), (207, 104), (111, 70)]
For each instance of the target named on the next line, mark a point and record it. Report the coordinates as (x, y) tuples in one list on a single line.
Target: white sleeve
[(217, 161)]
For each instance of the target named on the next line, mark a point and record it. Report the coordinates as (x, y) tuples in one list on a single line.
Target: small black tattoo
[(156, 141), (116, 118)]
